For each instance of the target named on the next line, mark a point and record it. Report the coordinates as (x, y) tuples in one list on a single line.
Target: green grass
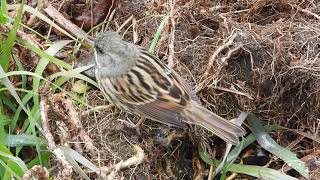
[(20, 122), (3, 12), (6, 49), (265, 141), (157, 35)]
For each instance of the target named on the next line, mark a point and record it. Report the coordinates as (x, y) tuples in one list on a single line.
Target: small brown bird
[(136, 81)]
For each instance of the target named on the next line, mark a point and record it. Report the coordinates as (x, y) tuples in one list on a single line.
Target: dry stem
[(219, 49), (73, 120), (97, 108), (135, 160), (67, 24), (171, 39), (308, 12), (66, 172)]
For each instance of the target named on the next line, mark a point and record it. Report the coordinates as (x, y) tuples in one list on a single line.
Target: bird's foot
[(128, 123)]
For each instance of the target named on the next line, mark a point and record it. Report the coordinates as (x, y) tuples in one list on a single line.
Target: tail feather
[(223, 128)]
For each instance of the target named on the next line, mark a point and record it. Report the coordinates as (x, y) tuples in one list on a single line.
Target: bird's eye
[(99, 49)]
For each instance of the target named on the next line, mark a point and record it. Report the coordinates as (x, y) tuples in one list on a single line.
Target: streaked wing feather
[(173, 75), (186, 86), (156, 111)]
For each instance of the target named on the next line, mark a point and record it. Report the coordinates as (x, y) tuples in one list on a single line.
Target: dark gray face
[(113, 55)]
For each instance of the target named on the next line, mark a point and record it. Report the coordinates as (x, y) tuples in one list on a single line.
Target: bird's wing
[(152, 89)]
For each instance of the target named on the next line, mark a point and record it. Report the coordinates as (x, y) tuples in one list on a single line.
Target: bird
[(136, 81)]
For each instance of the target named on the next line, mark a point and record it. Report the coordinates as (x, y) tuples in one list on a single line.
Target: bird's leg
[(130, 124)]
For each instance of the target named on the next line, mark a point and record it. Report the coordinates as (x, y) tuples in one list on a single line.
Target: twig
[(75, 119), (223, 60), (134, 30), (232, 176), (210, 172), (233, 91), (173, 135), (72, 119), (308, 12), (25, 36), (50, 28), (67, 24), (219, 49), (109, 16), (125, 23), (171, 39), (97, 108), (135, 160), (235, 12), (66, 172)]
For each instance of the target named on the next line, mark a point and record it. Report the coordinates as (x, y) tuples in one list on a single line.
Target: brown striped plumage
[(136, 81)]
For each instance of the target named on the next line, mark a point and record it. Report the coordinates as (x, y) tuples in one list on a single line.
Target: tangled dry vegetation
[(252, 56), (268, 64)]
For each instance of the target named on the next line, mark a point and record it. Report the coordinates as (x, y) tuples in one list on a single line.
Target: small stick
[(75, 120), (97, 108), (109, 16), (135, 160), (134, 30), (72, 119), (219, 49), (171, 38), (25, 36), (308, 12), (230, 53), (210, 172), (125, 23), (67, 24), (233, 91), (66, 172)]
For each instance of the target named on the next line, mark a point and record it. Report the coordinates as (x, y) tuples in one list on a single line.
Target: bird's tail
[(223, 128)]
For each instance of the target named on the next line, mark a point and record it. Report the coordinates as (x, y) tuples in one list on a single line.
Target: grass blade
[(13, 163), (44, 55), (42, 17), (6, 51), (246, 142), (158, 33), (3, 12), (42, 64), (260, 172), (8, 172), (20, 68), (45, 158), (6, 82), (273, 147), (24, 140), (75, 74), (73, 157), (255, 171)]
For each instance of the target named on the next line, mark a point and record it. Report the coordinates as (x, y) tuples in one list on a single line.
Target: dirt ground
[(253, 56)]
